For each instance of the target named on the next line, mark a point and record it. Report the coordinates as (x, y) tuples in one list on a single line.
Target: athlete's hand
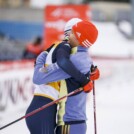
[(88, 87), (95, 73)]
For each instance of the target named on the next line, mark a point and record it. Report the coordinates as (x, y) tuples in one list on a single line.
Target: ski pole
[(94, 107), (41, 108)]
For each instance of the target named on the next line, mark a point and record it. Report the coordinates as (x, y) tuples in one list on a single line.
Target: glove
[(88, 87), (95, 73)]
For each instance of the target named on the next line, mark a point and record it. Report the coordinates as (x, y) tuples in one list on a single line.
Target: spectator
[(32, 50)]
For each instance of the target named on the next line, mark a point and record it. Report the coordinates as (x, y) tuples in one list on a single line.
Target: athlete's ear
[(72, 31)]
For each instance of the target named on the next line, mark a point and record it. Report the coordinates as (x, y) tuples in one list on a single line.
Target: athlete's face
[(72, 40)]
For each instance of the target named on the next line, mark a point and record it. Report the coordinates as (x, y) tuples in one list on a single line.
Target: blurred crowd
[(11, 49), (15, 49)]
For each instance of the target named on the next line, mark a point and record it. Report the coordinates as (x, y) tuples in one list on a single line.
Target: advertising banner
[(16, 87), (56, 18)]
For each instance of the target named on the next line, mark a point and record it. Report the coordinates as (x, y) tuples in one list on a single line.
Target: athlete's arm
[(64, 62), (53, 72)]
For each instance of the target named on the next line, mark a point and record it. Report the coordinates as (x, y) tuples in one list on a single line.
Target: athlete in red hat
[(85, 32)]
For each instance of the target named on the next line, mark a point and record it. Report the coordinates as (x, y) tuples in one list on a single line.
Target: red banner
[(56, 18)]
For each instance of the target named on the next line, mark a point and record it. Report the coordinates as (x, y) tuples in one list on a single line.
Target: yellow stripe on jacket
[(61, 110)]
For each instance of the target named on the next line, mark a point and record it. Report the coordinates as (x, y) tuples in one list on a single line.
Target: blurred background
[(25, 27)]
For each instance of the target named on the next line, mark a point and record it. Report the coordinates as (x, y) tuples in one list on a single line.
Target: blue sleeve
[(63, 60), (54, 73)]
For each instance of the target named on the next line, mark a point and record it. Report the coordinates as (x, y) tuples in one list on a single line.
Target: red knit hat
[(86, 33)]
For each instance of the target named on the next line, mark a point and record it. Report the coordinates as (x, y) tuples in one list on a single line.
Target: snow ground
[(114, 101), (114, 90)]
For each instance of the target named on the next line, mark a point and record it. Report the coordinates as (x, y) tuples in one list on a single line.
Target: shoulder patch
[(67, 45)]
